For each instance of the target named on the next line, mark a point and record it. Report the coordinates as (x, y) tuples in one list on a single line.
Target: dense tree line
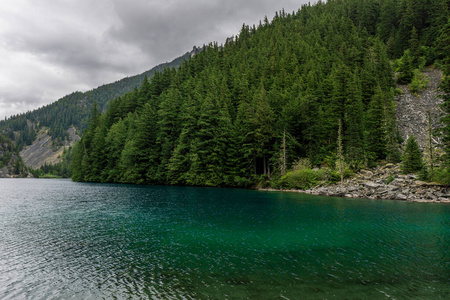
[(223, 117)]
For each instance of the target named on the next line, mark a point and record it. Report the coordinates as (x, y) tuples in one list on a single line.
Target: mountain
[(315, 88), (59, 124)]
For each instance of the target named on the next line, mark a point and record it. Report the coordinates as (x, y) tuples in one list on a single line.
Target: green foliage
[(59, 170), (10, 158), (418, 83), (442, 175), (301, 179), (334, 176), (390, 179), (412, 157), (405, 68), (301, 164), (306, 178), (224, 117), (425, 174)]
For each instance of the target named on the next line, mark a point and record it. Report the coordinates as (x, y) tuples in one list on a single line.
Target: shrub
[(442, 176), (301, 179), (390, 179), (302, 163), (398, 92), (335, 176), (418, 83)]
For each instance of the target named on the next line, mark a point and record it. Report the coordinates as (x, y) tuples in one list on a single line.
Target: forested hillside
[(74, 109), (10, 162), (316, 84)]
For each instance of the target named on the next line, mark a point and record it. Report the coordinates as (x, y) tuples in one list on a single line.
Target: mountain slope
[(71, 111), (317, 85)]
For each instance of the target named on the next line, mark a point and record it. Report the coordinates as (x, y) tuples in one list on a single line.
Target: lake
[(66, 240)]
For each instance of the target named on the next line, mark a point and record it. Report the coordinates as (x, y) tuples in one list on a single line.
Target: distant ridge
[(71, 111)]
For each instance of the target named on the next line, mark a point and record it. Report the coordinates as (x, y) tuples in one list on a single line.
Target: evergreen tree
[(115, 143), (392, 135), (414, 47), (226, 114), (406, 68), (412, 157), (375, 125), (263, 130), (180, 162), (169, 123)]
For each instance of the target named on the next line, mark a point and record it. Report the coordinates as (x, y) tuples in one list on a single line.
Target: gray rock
[(420, 183), (401, 197), (353, 188), (392, 188), (370, 184)]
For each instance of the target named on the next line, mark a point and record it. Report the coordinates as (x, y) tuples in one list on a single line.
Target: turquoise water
[(65, 240)]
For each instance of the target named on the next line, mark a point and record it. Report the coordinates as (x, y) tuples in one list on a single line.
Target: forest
[(316, 85)]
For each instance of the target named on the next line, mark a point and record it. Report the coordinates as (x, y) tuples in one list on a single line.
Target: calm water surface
[(65, 240)]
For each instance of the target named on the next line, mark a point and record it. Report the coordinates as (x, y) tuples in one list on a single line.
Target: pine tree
[(392, 135), (142, 151), (412, 157), (262, 123), (414, 46), (115, 143), (180, 162), (169, 123), (375, 125), (406, 68)]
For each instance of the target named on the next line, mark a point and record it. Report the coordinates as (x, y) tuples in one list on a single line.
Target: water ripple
[(64, 240)]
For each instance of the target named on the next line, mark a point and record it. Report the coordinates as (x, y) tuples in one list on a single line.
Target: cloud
[(51, 48), (161, 30)]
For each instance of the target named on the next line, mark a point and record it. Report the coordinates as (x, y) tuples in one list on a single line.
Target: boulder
[(370, 184), (401, 197)]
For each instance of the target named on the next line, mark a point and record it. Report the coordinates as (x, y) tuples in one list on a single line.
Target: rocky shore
[(385, 182)]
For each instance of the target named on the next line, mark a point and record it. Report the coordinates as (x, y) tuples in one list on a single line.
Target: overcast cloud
[(49, 49)]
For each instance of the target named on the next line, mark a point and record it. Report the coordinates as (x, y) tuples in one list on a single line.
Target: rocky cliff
[(42, 151), (412, 110)]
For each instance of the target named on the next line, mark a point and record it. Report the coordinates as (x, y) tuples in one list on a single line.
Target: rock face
[(386, 182), (412, 110), (4, 173), (41, 151), (195, 51)]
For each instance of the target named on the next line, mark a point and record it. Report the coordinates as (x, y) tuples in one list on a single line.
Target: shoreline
[(308, 192), (383, 183)]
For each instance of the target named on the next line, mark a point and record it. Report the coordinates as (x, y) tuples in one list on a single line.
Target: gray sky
[(49, 49)]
